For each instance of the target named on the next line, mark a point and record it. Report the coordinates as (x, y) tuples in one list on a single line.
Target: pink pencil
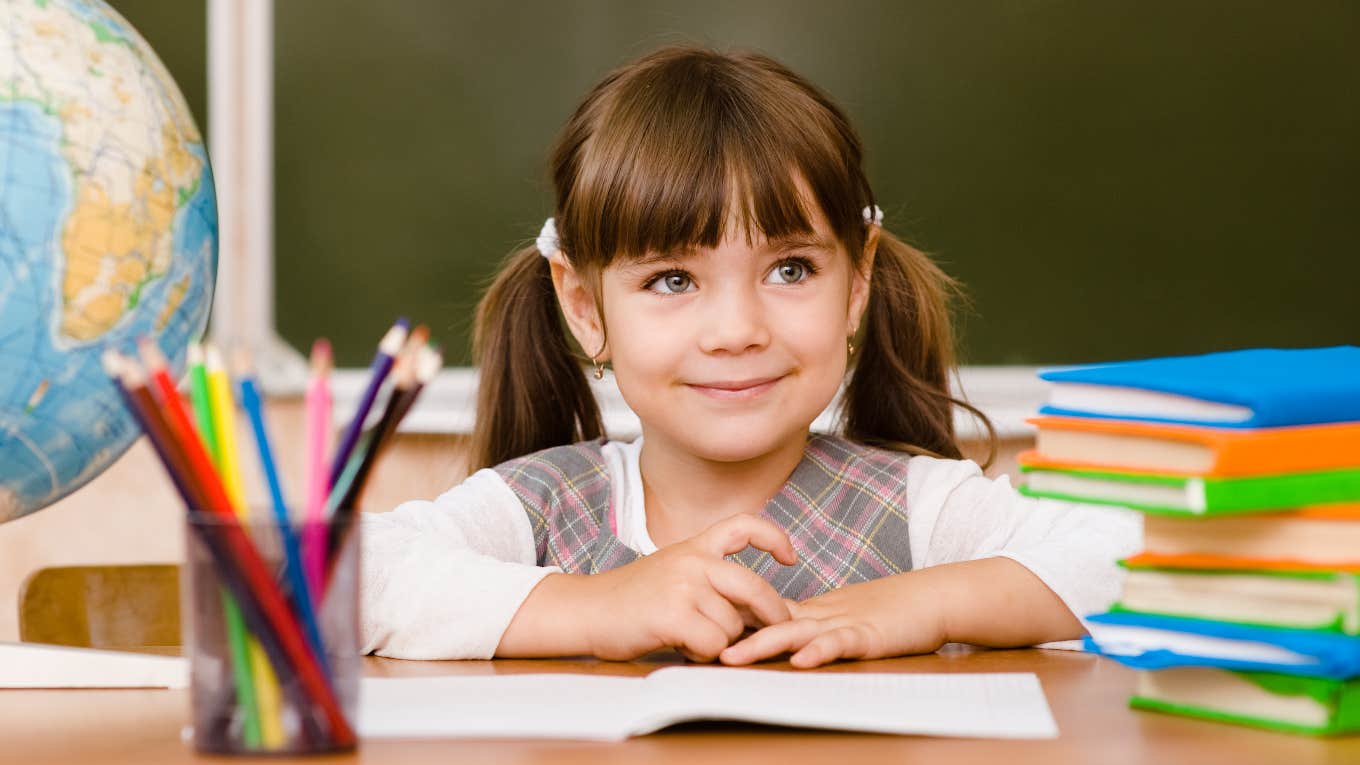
[(314, 536)]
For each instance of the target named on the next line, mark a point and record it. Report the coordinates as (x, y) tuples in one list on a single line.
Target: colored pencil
[(388, 347), (427, 365), (318, 427), (297, 580), (131, 384), (262, 603), (409, 380), (198, 395), (403, 376), (235, 627), (229, 466)]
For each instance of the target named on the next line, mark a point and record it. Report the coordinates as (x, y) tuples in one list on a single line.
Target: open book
[(606, 708)]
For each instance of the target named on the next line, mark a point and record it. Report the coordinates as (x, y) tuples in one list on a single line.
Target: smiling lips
[(736, 390)]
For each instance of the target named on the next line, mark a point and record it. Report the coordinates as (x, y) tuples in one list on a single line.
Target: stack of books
[(1244, 605)]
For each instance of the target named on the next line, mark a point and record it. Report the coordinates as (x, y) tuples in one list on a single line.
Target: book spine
[(1281, 492)]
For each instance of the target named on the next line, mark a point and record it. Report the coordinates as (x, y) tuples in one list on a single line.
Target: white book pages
[(37, 665), (1128, 640), (1115, 401), (612, 708)]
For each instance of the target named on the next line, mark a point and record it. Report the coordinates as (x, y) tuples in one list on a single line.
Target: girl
[(716, 241)]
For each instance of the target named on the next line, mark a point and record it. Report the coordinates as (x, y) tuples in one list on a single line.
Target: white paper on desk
[(36, 665), (1010, 705)]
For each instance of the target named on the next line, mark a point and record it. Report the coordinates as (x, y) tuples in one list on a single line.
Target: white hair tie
[(873, 216), (547, 239)]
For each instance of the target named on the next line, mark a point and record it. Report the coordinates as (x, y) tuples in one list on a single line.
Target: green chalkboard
[(1108, 179)]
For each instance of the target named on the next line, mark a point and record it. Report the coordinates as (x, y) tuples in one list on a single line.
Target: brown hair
[(650, 161)]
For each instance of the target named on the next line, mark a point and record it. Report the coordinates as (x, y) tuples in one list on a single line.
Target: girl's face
[(729, 352)]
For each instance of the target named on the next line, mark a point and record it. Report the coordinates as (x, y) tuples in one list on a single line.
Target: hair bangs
[(688, 152)]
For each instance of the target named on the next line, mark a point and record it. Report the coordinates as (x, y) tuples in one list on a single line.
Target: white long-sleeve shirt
[(442, 579)]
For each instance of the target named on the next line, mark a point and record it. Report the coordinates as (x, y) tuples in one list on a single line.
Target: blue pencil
[(382, 364), (297, 580)]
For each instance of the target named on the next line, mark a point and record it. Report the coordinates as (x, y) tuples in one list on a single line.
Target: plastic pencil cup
[(270, 672)]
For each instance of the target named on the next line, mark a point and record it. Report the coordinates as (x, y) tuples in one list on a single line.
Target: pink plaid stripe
[(844, 508)]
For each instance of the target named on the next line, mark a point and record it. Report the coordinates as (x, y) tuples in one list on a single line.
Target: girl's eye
[(671, 283), (792, 271)]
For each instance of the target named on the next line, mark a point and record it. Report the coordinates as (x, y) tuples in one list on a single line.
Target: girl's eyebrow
[(654, 257)]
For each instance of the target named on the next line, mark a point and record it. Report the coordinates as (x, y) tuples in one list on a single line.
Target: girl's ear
[(578, 305), (859, 282)]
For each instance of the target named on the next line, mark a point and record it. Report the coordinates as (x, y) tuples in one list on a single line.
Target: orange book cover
[(1238, 452)]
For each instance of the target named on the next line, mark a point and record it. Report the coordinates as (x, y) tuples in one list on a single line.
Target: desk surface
[(1087, 695)]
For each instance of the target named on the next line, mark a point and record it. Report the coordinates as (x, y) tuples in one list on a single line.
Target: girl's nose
[(734, 322)]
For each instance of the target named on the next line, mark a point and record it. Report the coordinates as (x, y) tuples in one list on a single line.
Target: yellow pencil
[(224, 416)]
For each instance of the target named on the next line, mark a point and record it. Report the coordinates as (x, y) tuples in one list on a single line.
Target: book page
[(998, 705), (612, 708), (571, 706)]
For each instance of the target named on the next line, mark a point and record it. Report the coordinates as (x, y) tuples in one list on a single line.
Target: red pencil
[(131, 382), (256, 574)]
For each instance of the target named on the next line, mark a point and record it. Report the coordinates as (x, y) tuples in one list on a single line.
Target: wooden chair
[(101, 606)]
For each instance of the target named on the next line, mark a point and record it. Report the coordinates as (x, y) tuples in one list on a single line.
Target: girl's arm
[(992, 568), (443, 579)]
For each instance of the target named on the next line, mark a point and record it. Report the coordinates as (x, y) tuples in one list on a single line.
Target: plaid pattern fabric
[(844, 509)]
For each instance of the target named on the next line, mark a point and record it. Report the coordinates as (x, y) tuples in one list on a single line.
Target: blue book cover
[(1250, 647), (1274, 387)]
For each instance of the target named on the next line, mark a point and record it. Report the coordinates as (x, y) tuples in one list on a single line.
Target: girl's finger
[(839, 643), (731, 536), (718, 610), (700, 639), (771, 641), (744, 588)]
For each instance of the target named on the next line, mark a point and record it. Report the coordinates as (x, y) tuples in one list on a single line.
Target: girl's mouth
[(736, 390)]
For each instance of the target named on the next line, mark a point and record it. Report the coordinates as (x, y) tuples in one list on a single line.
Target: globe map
[(108, 232)]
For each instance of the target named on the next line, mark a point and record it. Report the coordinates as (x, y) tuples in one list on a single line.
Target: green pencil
[(236, 626)]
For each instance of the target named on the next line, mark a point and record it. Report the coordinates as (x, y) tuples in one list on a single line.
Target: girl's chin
[(730, 442)]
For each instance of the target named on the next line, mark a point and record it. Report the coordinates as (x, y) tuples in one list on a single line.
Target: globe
[(108, 232)]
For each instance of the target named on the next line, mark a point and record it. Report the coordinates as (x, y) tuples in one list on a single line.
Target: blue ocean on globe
[(108, 232)]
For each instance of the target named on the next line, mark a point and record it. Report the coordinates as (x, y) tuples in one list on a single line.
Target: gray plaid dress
[(844, 509)]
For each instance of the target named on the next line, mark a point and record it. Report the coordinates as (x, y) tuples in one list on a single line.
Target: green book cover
[(1199, 495), (1340, 698)]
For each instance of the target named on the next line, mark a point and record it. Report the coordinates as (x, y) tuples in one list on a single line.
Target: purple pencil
[(382, 364)]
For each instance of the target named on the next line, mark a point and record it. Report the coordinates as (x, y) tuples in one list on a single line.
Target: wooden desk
[(1087, 696)]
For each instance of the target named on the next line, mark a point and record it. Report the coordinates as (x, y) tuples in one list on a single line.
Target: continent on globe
[(110, 222)]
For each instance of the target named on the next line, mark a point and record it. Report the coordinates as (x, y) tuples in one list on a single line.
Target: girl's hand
[(685, 596), (868, 620), (993, 602)]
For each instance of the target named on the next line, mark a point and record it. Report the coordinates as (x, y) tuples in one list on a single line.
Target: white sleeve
[(443, 579), (956, 514)]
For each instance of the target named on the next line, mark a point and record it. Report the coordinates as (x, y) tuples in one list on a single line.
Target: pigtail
[(532, 392), (899, 396)]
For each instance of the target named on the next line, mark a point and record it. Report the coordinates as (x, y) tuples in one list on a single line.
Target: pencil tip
[(321, 360), (150, 353), (431, 361), (393, 339), (195, 354), (214, 358), (113, 363), (419, 336), (240, 363)]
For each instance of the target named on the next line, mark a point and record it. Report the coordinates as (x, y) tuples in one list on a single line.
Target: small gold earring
[(850, 345), (599, 369)]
